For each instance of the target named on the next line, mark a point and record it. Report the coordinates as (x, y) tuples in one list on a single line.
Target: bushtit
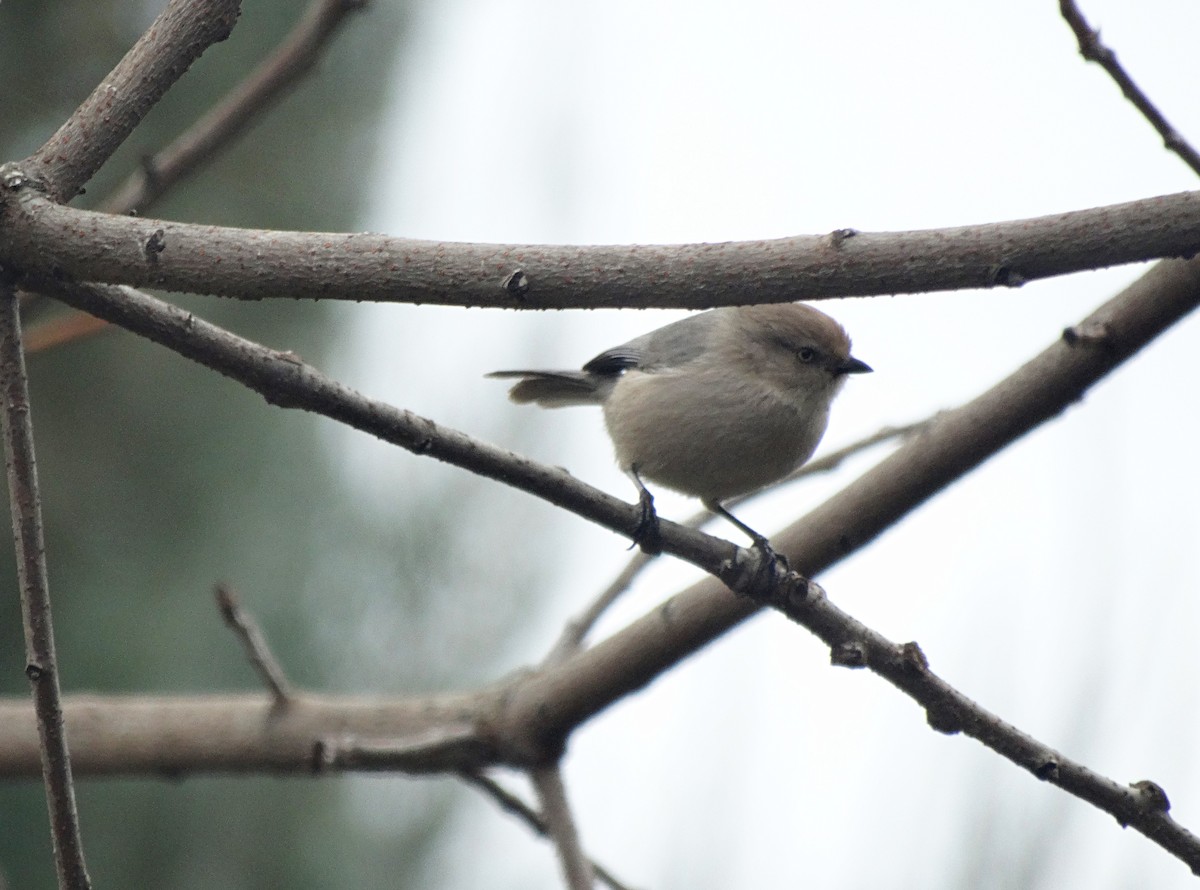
[(716, 405)]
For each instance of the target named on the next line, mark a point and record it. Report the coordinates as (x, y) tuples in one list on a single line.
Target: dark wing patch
[(613, 361)]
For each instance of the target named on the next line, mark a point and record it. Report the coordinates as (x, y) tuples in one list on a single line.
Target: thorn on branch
[(1096, 332), (838, 237), (1047, 770), (12, 177), (155, 245), (1150, 796), (850, 654), (1004, 275), (944, 720), (516, 284), (914, 659)]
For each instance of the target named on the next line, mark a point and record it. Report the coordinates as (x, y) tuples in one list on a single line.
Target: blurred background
[(1056, 585)]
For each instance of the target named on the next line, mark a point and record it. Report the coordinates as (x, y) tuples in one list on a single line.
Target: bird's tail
[(553, 389)]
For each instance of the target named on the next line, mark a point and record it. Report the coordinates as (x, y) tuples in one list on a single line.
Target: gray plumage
[(715, 405)]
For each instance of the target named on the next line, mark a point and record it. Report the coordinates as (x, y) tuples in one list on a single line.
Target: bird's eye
[(806, 354)]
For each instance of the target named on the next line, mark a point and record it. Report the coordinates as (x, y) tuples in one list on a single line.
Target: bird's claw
[(773, 568), (777, 562), (647, 535)]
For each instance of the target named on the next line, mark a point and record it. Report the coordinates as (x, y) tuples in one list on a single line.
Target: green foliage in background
[(161, 478)]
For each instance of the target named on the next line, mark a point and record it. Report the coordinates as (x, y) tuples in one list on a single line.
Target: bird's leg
[(646, 535), (761, 544)]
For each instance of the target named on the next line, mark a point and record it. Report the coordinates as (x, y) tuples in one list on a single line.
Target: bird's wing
[(670, 346)]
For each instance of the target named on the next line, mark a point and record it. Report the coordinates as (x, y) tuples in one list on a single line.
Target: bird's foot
[(775, 563), (647, 535)]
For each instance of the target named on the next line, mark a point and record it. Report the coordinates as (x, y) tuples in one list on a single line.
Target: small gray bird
[(717, 405)]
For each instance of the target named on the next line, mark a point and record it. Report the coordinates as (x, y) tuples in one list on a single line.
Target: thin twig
[(578, 628), (827, 463), (1093, 50), (510, 803), (294, 57), (41, 663), (242, 623), (560, 826)]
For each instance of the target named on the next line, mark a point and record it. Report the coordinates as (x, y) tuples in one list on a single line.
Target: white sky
[(1057, 585)]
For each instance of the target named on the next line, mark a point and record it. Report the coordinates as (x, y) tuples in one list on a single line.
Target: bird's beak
[(853, 366)]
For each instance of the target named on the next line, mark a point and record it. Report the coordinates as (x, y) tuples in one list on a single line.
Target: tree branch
[(560, 826), (1093, 50), (244, 106), (41, 663), (126, 735), (539, 710), (578, 628), (956, 442), (284, 380), (41, 238), (263, 660), (510, 803), (180, 34)]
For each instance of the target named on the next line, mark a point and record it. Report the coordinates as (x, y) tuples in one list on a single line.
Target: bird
[(716, 405)]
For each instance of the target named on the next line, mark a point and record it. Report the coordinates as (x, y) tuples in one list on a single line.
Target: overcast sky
[(1057, 585)]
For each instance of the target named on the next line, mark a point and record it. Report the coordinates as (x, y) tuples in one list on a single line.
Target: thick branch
[(126, 735), (180, 34), (40, 237), (535, 713), (41, 663), (554, 702), (284, 380)]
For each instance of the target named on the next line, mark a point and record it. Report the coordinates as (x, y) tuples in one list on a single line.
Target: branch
[(122, 735), (284, 380), (425, 751), (553, 702), (578, 628), (41, 664), (43, 239), (295, 57), (510, 803), (180, 34), (1142, 805), (956, 442), (541, 709), (251, 636), (560, 826), (1093, 50)]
